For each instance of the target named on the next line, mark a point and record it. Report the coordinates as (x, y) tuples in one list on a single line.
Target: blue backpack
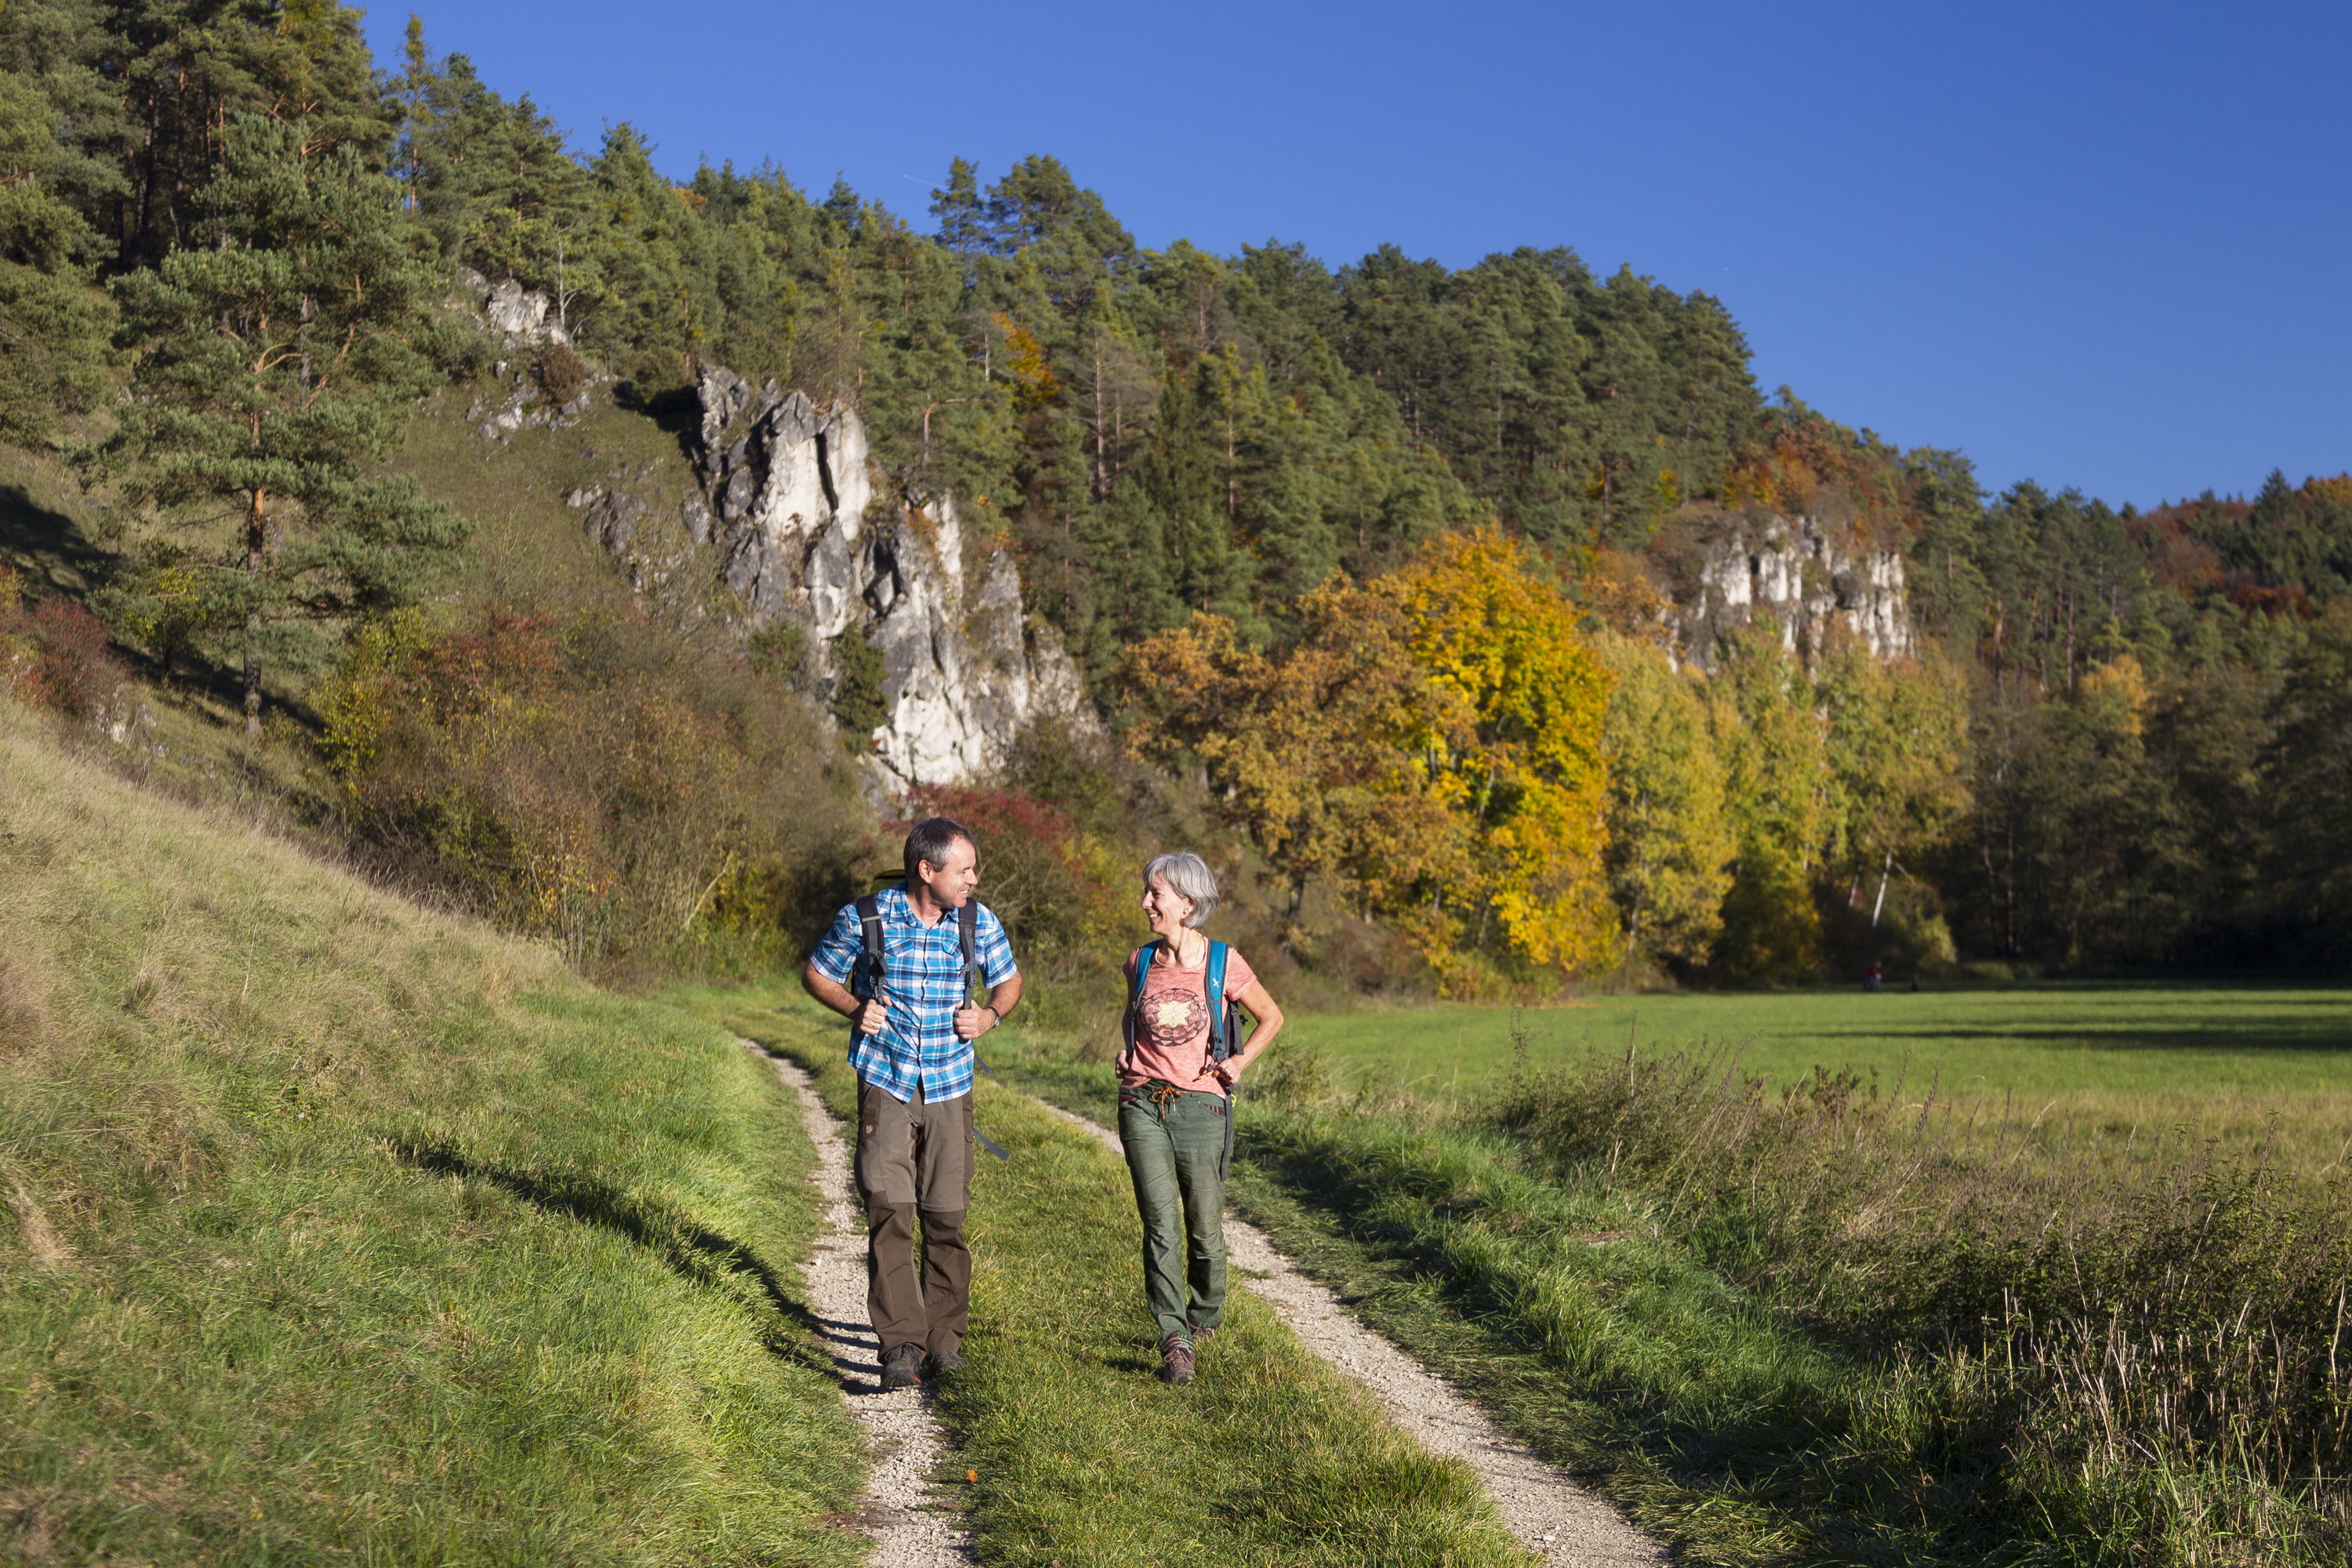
[(1224, 1020)]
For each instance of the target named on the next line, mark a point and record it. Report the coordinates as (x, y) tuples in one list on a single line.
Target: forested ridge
[(1390, 553)]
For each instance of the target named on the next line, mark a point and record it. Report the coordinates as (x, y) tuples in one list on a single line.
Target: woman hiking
[(1175, 1114)]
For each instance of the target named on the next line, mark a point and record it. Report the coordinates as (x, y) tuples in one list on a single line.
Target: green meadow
[(2224, 1060)]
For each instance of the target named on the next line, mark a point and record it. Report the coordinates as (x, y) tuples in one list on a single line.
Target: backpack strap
[(968, 933), (866, 975), (1220, 1043), (1134, 996)]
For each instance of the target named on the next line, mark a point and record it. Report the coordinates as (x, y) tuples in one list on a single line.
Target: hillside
[(347, 1232)]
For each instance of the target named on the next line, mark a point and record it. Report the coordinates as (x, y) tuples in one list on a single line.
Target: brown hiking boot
[(1201, 1336), (1175, 1360)]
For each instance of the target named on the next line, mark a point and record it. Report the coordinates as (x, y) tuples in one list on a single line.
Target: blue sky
[(2101, 246)]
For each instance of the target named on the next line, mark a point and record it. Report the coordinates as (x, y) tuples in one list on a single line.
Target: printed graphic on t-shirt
[(1169, 1021)]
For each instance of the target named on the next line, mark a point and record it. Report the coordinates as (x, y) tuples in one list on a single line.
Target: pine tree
[(53, 320), (188, 68), (961, 215), (272, 356)]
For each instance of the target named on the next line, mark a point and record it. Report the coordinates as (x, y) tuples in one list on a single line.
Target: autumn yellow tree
[(1314, 751), (1670, 842), (1524, 775), (1781, 794)]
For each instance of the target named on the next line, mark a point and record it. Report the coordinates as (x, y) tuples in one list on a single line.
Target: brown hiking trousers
[(914, 1157)]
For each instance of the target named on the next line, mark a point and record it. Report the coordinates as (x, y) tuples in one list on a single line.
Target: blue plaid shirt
[(922, 986)]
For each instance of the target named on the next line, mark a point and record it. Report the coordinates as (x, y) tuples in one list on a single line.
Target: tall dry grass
[(2161, 1326)]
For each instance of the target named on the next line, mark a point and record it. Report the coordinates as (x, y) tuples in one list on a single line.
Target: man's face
[(952, 883)]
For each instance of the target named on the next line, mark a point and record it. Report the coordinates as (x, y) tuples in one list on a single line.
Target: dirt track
[(911, 1527), (1548, 1510)]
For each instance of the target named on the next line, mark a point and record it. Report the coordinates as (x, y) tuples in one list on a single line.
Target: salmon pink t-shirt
[(1171, 1021)]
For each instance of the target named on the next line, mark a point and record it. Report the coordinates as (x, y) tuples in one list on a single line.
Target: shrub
[(55, 654), (857, 698), (595, 779), (563, 372)]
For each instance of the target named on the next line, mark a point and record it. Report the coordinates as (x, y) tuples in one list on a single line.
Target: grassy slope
[(528, 544), (2222, 1059), (1083, 1456), (345, 1232)]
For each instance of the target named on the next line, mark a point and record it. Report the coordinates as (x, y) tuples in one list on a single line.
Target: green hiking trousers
[(1175, 1141)]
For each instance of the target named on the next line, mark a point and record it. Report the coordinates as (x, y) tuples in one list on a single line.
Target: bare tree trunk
[(1233, 497), (1102, 470), (141, 225), (1290, 916), (256, 535)]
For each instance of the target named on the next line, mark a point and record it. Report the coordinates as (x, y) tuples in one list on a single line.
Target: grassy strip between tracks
[(336, 1231), (1083, 1456)]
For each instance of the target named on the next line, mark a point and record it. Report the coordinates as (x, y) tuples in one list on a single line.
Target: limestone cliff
[(1724, 568), (813, 534)]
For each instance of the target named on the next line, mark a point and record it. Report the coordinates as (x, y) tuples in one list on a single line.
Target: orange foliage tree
[(1315, 751)]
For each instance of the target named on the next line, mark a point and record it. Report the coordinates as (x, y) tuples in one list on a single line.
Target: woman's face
[(1165, 908)]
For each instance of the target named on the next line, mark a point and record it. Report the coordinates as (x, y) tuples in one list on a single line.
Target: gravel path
[(1548, 1510), (910, 1528)]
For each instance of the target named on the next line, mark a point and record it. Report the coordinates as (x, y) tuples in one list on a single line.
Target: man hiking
[(898, 965)]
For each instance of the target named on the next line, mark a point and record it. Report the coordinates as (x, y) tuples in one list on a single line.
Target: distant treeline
[(2149, 764)]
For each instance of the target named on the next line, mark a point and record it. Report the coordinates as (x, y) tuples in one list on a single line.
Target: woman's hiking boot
[(945, 1362), (1175, 1360), (902, 1367), (1201, 1336)]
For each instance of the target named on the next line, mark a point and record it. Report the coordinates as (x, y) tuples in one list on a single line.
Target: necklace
[(1176, 953)]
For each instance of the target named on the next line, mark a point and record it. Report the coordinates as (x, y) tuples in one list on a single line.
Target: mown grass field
[(2112, 1059)]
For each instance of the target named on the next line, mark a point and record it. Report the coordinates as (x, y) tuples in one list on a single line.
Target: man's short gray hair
[(1189, 876)]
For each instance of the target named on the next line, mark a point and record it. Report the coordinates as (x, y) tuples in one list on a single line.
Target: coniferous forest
[(1378, 559)]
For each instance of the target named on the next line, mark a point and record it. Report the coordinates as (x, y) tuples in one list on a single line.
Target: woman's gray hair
[(1188, 875)]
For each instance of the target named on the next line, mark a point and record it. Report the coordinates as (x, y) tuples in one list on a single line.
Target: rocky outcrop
[(519, 402), (514, 410), (1726, 568), (814, 534), (620, 515), (518, 313)]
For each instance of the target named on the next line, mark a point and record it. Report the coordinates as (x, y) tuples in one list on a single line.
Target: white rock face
[(793, 500), (520, 313), (1809, 577)]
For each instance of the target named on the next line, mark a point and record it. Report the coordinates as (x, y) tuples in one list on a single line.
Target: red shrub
[(1049, 883), (55, 654)]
